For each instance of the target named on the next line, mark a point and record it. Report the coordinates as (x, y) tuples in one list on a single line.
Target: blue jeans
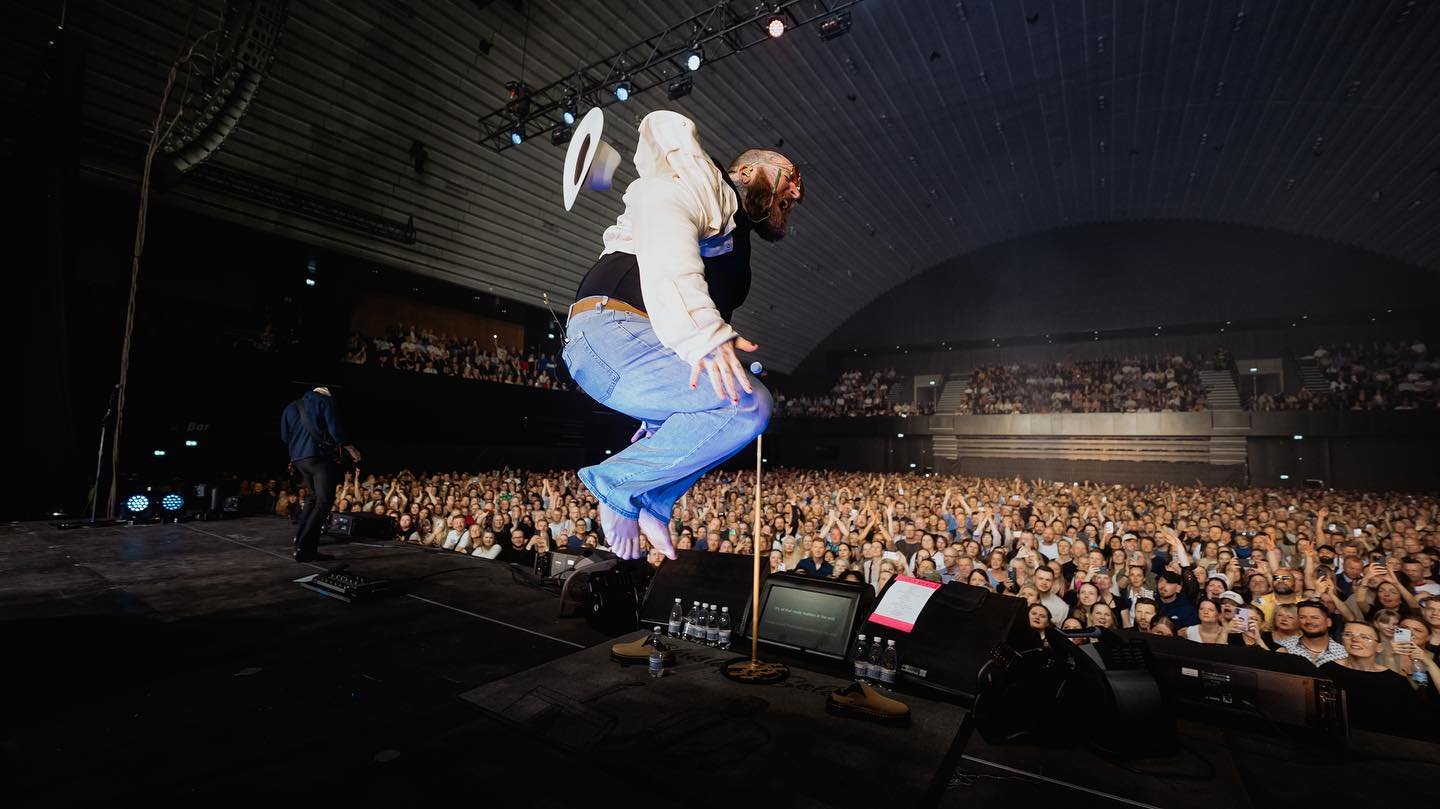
[(617, 359)]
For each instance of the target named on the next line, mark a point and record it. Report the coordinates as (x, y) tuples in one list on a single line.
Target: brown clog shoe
[(637, 653), (859, 701)]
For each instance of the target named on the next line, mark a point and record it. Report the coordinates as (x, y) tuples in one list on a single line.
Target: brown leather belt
[(597, 302)]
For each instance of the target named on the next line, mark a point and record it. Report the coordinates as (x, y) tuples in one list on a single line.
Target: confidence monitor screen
[(806, 619)]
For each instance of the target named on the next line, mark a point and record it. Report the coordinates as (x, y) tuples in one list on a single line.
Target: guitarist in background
[(310, 429)]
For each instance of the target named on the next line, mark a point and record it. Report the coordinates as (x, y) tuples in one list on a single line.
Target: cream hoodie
[(680, 199)]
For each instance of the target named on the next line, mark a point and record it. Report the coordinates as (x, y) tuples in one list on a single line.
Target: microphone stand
[(94, 521), (100, 455)]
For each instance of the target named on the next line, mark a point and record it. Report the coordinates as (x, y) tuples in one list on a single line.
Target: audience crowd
[(857, 393), (407, 348), (1378, 376), (1347, 580), (1088, 386)]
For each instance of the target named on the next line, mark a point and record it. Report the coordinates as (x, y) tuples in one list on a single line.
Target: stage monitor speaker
[(361, 526), (1242, 686), (812, 615), (561, 563), (954, 635), (710, 578), (1026, 685), (575, 569)]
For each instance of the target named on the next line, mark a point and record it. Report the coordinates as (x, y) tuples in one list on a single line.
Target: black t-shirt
[(1382, 701), (617, 275), (521, 556), (907, 548)]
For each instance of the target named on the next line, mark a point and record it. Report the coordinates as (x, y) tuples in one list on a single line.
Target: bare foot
[(658, 533), (621, 533)]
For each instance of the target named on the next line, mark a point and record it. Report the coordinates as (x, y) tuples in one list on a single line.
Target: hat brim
[(584, 145)]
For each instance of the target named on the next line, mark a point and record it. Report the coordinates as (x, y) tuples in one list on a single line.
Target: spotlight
[(680, 87), (309, 282), (568, 109), (695, 58), (775, 26), (137, 504), (190, 442), (560, 134), (839, 25), (622, 91), (159, 453), (517, 137), (172, 502)]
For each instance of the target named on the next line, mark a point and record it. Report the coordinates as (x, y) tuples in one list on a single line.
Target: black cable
[(1130, 768)]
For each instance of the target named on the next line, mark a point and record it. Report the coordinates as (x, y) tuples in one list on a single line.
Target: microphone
[(757, 369)]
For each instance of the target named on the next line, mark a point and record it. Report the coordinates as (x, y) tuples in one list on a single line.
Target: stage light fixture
[(190, 442), (775, 26), (137, 504), (569, 108), (172, 502), (159, 453), (622, 91), (839, 25), (516, 137), (680, 87), (695, 58), (560, 134), (309, 282)]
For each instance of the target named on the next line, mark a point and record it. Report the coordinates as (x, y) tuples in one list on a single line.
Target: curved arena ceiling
[(929, 130)]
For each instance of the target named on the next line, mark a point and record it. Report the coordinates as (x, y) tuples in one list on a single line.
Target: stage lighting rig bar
[(651, 62)]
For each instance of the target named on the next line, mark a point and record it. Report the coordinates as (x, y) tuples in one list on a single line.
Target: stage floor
[(166, 662)]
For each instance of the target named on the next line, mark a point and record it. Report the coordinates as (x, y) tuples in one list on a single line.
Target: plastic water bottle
[(889, 662), (657, 653), (712, 626), (696, 629), (861, 656), (724, 627), (677, 619), (689, 631), (874, 658), (1419, 674)]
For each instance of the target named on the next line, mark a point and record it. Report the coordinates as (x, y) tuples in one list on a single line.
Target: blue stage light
[(622, 91), (172, 502), (137, 503), (516, 137)]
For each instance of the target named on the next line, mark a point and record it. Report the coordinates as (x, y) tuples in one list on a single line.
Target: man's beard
[(757, 203), (1284, 589), (1313, 635)]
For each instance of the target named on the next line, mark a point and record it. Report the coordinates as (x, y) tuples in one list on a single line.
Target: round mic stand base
[(754, 672)]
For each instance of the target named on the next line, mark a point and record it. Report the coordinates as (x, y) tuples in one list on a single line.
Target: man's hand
[(354, 453), (726, 374)]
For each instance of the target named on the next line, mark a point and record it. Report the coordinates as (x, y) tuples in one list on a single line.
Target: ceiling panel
[(930, 130)]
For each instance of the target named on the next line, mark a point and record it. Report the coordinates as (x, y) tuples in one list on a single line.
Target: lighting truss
[(654, 61)]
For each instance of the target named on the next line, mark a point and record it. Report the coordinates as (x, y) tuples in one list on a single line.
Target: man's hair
[(750, 156)]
